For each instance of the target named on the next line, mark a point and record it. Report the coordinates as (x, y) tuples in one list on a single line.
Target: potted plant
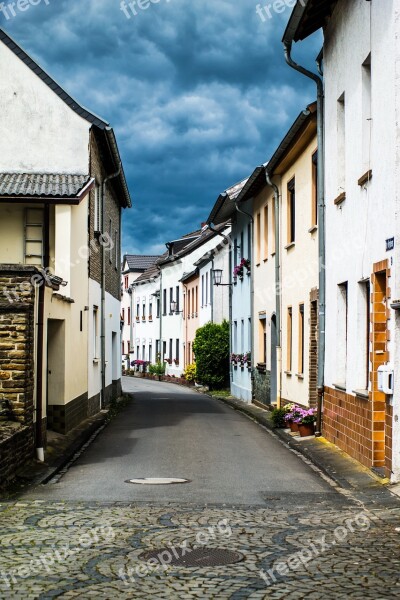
[(292, 416), (247, 359), (238, 271), (306, 421)]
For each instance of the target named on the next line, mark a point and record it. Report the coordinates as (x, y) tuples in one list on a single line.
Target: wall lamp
[(217, 278), (173, 308)]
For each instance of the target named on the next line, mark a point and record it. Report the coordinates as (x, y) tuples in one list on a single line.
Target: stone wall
[(262, 386)]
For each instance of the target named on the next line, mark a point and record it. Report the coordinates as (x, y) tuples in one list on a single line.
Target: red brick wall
[(348, 424)]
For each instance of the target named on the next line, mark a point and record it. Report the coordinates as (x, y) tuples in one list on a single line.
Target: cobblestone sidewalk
[(317, 549)]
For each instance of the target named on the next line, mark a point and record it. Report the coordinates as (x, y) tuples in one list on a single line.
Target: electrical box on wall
[(386, 379)]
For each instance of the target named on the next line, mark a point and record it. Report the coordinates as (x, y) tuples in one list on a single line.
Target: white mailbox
[(386, 379)]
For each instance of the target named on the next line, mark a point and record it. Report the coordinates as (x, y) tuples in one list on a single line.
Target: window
[(262, 348), (143, 352), (314, 198), (207, 288), (150, 353), (341, 144), (129, 347), (123, 314), (202, 290), (164, 350), (129, 316), (116, 249), (289, 339), (266, 226), (273, 222), (188, 304), (197, 300), (291, 215), (258, 238), (249, 336), (137, 352), (170, 349), (301, 339), (110, 230), (171, 298), (137, 311), (235, 252), (158, 308), (158, 349), (341, 336), (235, 337), (123, 347), (97, 207), (249, 240), (366, 113), (95, 333), (164, 302), (150, 309), (242, 348), (363, 337), (189, 353), (177, 351), (242, 245), (143, 311), (177, 298), (126, 282)]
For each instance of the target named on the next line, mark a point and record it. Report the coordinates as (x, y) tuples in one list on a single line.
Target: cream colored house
[(62, 189)]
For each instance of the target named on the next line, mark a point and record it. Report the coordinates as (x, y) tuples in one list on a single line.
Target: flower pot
[(294, 427), (306, 429)]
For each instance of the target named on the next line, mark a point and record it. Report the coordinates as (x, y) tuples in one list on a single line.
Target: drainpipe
[(239, 210), (103, 288), (40, 340), (186, 326), (277, 291), (321, 226), (212, 290), (161, 316)]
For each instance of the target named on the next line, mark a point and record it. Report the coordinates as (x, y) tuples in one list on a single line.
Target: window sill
[(366, 178), (313, 229), (361, 394), (265, 260), (96, 361), (291, 245), (300, 375), (341, 198), (273, 253), (340, 386), (288, 373), (258, 264)]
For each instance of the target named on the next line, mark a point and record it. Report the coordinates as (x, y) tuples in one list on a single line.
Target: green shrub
[(190, 372), (211, 348), (157, 369), (278, 417)]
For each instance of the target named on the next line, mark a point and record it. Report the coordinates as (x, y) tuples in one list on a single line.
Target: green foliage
[(211, 348), (278, 417), (157, 369), (190, 372)]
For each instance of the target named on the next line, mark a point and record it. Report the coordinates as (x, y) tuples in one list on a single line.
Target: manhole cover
[(157, 480), (193, 557)]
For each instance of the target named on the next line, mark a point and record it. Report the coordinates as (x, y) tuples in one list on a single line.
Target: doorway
[(55, 363), (274, 384)]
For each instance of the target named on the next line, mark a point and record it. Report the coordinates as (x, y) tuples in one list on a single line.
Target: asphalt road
[(170, 431)]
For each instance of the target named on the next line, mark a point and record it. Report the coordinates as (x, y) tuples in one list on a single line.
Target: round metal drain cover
[(157, 481), (193, 557)]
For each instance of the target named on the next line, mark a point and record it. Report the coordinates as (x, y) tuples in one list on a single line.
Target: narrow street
[(290, 533)]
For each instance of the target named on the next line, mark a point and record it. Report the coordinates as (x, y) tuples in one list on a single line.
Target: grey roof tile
[(42, 185)]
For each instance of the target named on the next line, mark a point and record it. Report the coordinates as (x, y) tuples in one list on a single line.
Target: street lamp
[(217, 278), (173, 308)]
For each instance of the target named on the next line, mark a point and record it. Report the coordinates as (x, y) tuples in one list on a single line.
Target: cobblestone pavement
[(92, 550)]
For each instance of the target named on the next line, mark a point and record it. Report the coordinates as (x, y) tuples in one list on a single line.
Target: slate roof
[(52, 186), (139, 262)]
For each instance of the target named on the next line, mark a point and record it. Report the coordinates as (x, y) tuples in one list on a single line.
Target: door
[(273, 360), (55, 362)]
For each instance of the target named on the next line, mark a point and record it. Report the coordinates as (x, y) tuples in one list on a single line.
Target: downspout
[(132, 288), (321, 226), (161, 316), (40, 343), (239, 210), (277, 291), (103, 288), (212, 290), (185, 362)]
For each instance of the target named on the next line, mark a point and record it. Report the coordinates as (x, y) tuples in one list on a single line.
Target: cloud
[(197, 92)]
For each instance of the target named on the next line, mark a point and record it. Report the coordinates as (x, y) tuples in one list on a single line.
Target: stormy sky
[(197, 91)]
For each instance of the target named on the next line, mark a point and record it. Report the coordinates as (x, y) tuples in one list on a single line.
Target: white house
[(362, 101), (132, 267)]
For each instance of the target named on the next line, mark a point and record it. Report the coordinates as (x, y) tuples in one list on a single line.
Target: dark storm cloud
[(197, 91)]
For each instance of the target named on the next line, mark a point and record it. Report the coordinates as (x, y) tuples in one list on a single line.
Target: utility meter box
[(386, 379)]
